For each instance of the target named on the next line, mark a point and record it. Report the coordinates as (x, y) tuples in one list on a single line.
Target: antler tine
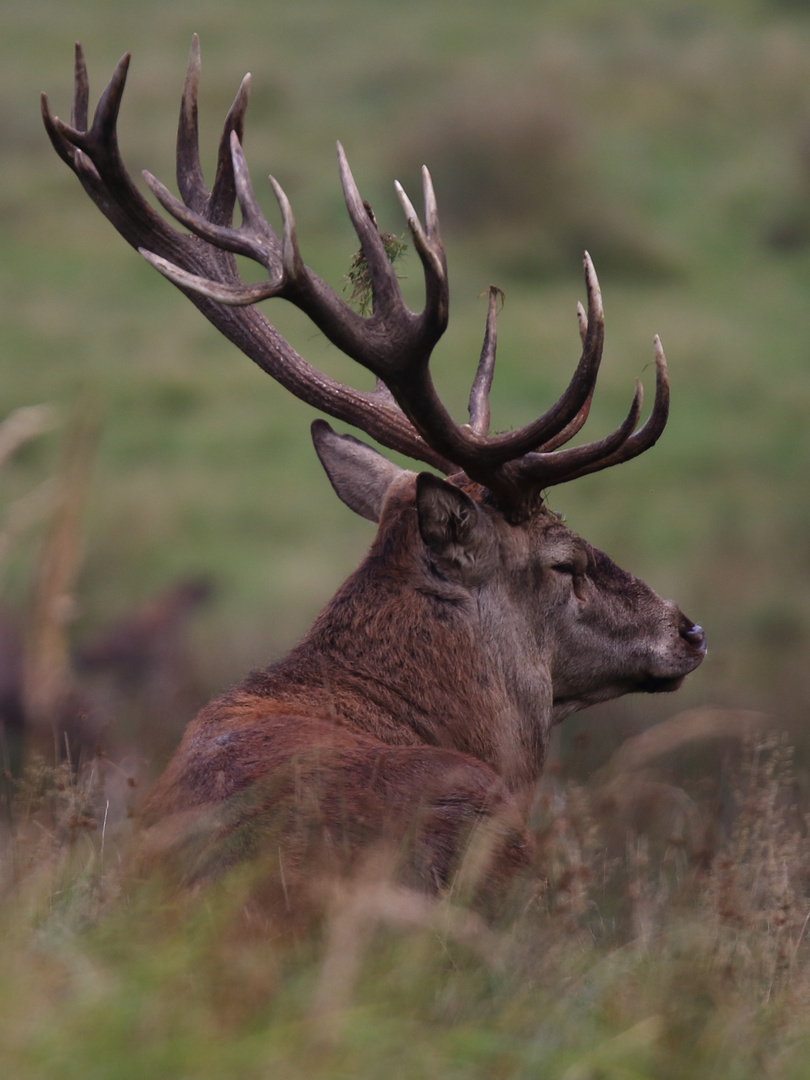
[(189, 170), (225, 238), (105, 118), (81, 91), (582, 320), (427, 241), (77, 135), (656, 422), (290, 253), (543, 469), (234, 240), (254, 238), (570, 430), (216, 205), (252, 216), (430, 251), (57, 130), (482, 456), (220, 291), (482, 384), (220, 208), (431, 206), (649, 433), (94, 156), (384, 286), (636, 443)]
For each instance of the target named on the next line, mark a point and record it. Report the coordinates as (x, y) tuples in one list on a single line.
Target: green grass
[(671, 139), (679, 951)]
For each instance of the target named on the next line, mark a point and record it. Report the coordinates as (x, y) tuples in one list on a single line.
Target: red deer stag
[(421, 701)]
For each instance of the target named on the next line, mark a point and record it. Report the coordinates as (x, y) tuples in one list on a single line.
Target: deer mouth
[(694, 637), (659, 684)]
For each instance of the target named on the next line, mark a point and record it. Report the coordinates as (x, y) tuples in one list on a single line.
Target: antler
[(404, 411), (92, 153)]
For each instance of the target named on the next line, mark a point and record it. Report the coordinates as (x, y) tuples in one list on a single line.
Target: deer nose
[(695, 635)]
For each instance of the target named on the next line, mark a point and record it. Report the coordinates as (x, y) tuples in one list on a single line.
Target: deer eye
[(565, 568)]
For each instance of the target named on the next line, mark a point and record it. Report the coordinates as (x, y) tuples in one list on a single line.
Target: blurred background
[(198, 536)]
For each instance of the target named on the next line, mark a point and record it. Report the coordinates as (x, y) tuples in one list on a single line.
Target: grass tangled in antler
[(358, 278)]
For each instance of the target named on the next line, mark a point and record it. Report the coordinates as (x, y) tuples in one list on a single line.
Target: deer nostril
[(696, 636)]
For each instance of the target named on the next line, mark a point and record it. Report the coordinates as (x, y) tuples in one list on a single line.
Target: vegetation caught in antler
[(358, 279)]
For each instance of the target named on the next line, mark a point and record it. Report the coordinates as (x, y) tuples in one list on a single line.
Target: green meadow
[(665, 932)]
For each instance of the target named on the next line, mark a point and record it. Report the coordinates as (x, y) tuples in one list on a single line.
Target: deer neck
[(409, 667)]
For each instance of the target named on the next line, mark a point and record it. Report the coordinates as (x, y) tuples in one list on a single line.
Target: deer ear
[(360, 476), (448, 519)]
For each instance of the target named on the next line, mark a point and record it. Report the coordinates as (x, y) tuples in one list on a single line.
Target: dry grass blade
[(23, 513), (16, 430), (687, 728), (24, 424), (47, 678), (358, 910), (634, 793)]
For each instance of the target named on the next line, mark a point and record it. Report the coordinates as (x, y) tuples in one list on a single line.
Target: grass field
[(673, 140)]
